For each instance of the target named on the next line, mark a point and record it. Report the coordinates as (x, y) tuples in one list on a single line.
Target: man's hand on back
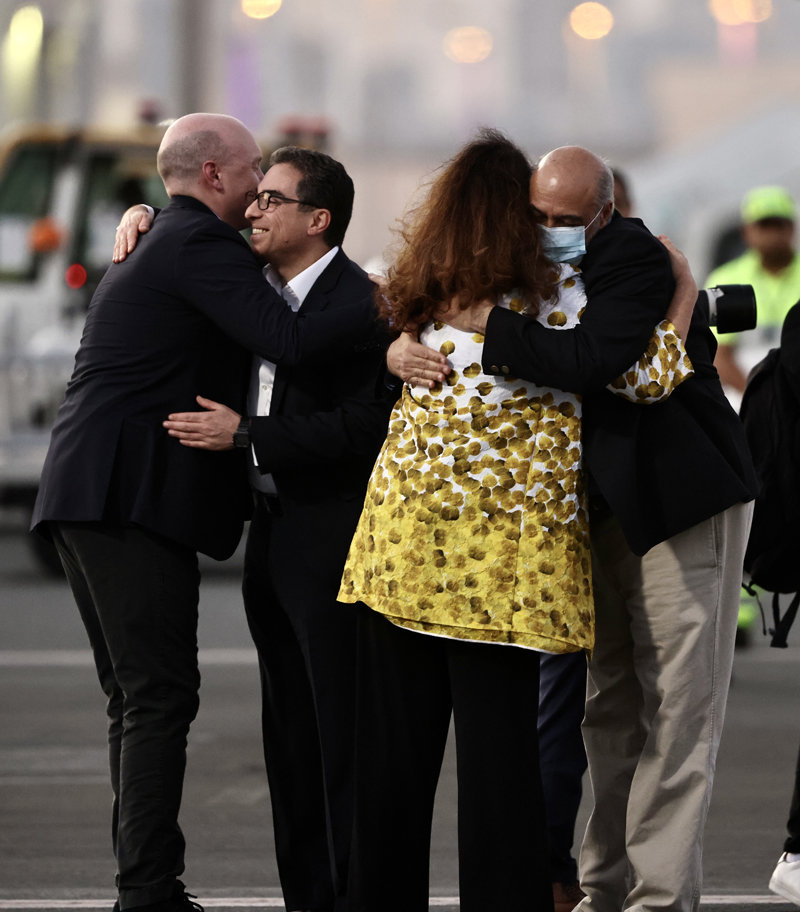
[(135, 221), (416, 363), (209, 430)]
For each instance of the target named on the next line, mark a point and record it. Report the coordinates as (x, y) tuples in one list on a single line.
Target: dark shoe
[(566, 896), (183, 901), (180, 901)]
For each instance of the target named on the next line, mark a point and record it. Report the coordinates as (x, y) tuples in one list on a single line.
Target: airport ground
[(55, 801)]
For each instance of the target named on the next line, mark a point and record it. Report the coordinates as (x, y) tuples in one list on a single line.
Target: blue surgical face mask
[(565, 245)]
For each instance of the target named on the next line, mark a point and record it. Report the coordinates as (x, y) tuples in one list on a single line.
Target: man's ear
[(320, 222), (606, 212), (211, 175)]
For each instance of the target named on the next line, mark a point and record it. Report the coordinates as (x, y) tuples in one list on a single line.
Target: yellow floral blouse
[(474, 524)]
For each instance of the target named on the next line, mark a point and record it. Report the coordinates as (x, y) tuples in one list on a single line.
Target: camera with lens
[(731, 308)]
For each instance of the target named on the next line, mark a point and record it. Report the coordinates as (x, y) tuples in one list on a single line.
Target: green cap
[(767, 202)]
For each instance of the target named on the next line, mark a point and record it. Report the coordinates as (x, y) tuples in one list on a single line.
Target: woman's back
[(475, 523)]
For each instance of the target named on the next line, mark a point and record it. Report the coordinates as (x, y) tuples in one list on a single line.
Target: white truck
[(62, 192)]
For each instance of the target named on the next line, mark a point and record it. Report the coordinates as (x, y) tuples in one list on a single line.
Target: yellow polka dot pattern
[(474, 524), (660, 370)]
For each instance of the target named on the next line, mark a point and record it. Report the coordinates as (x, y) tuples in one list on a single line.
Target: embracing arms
[(625, 304), (191, 257)]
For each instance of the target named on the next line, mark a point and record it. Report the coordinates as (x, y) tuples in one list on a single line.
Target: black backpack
[(770, 412)]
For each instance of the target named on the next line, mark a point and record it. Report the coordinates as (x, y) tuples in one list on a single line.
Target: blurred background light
[(468, 44), (740, 12), (75, 276), (22, 51), (25, 30), (260, 9), (23, 43), (591, 21)]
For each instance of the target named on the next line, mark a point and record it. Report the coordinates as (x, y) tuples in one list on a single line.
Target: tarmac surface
[(55, 799)]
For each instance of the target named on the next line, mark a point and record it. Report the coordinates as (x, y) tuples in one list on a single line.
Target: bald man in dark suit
[(129, 507)]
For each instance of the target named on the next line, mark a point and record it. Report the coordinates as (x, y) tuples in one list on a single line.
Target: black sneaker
[(180, 901), (183, 901)]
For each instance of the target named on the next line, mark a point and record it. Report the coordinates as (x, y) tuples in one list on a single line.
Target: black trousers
[(306, 644), (409, 683), (562, 703), (792, 843), (137, 594)]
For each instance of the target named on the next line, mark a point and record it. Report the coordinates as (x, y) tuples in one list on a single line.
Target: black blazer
[(327, 421), (661, 468), (173, 321)]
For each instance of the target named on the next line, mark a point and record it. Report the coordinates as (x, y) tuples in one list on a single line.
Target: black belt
[(269, 502)]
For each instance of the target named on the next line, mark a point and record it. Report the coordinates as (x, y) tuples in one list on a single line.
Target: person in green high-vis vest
[(771, 264)]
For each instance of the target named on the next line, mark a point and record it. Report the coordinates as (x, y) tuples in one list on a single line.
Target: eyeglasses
[(268, 199)]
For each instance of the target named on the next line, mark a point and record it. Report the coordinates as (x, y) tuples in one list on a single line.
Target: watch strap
[(241, 436)]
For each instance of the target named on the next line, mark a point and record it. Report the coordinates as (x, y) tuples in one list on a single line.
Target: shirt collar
[(304, 281)]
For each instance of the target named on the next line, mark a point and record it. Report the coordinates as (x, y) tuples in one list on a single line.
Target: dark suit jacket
[(171, 322), (661, 468), (325, 427)]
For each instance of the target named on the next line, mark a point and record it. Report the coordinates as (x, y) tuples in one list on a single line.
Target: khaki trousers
[(657, 690)]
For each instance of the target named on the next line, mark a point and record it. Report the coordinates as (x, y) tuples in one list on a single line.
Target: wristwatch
[(241, 436)]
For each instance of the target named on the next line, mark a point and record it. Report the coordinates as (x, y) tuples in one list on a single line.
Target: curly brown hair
[(474, 237)]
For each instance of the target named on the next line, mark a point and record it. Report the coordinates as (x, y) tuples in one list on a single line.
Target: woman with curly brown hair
[(474, 536)]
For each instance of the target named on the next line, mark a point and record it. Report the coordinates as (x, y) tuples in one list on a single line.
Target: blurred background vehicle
[(62, 193)]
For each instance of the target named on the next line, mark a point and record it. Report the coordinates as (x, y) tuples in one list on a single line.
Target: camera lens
[(731, 308)]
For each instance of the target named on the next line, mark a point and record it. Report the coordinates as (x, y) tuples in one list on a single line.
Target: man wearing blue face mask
[(671, 489), (566, 243)]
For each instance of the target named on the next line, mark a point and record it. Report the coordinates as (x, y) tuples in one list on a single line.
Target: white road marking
[(77, 658), (252, 902), (65, 658)]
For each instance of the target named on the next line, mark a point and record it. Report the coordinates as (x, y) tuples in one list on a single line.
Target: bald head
[(192, 140), (570, 186), (213, 158)]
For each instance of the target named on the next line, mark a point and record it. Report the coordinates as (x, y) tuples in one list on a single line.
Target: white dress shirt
[(262, 380)]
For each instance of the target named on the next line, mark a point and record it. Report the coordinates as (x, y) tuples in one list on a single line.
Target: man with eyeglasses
[(312, 436), (129, 507)]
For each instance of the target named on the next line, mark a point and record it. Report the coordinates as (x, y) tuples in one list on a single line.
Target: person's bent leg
[(612, 728), (145, 594), (684, 629), (502, 830), (102, 660)]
